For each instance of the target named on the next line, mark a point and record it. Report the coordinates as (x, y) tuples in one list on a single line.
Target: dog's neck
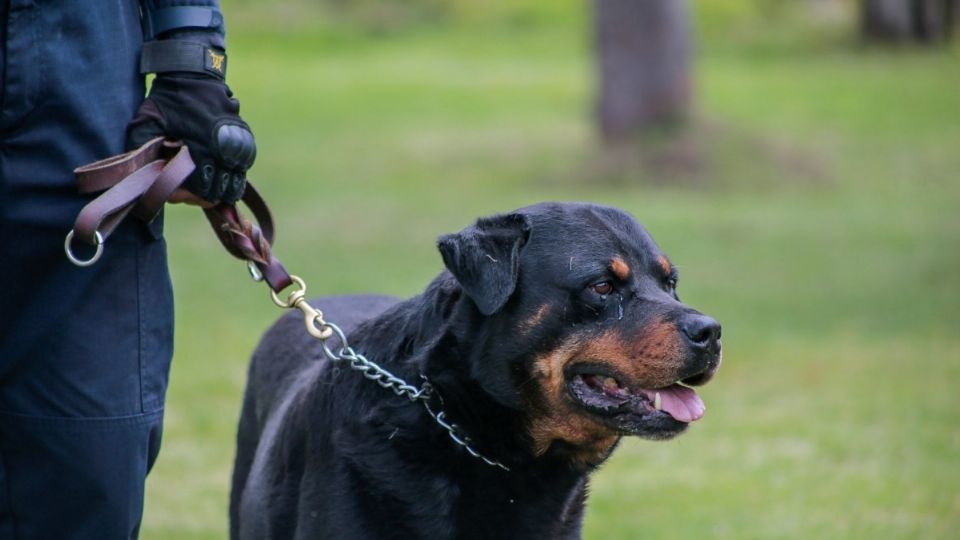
[(435, 343)]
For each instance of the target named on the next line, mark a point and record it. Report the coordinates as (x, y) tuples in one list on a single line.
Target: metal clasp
[(255, 272), (312, 317)]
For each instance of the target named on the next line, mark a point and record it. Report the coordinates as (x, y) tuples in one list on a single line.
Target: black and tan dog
[(555, 331)]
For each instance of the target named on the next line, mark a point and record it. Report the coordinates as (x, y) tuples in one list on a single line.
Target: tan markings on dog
[(555, 418), (548, 369), (649, 361), (527, 325), (620, 268), (592, 440), (665, 264)]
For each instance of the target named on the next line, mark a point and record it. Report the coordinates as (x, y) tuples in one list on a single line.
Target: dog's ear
[(485, 258)]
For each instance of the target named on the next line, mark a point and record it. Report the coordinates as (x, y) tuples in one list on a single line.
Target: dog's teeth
[(656, 402)]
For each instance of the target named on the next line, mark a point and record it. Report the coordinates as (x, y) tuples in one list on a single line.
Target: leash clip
[(312, 317)]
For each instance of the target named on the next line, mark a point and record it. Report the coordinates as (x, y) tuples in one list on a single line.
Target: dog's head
[(580, 326)]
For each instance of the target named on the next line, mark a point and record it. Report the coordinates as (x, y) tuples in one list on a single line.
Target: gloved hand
[(201, 112)]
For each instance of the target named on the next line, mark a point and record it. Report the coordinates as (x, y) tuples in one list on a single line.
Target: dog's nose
[(701, 331)]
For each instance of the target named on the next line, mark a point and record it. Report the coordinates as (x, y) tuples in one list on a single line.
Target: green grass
[(820, 226)]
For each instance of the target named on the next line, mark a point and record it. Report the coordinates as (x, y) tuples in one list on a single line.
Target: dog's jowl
[(553, 332)]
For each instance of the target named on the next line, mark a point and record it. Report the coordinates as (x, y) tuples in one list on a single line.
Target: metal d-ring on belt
[(142, 180)]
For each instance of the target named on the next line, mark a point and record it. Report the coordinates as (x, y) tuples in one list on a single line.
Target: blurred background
[(798, 159)]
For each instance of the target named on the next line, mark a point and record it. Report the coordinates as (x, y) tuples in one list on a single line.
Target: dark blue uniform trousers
[(84, 352)]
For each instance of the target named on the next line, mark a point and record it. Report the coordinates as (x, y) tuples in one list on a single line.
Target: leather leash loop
[(174, 173), (103, 214), (143, 180), (104, 174)]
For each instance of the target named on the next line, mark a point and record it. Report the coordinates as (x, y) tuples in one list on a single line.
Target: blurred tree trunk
[(643, 58), (900, 21)]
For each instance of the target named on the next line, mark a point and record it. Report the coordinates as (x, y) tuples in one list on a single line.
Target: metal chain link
[(323, 331), (373, 371), (458, 437)]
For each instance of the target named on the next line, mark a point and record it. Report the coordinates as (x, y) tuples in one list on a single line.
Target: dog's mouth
[(656, 413)]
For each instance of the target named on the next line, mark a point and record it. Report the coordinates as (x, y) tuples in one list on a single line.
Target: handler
[(85, 352)]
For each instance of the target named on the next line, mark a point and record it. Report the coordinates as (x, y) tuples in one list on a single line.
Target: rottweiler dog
[(554, 331)]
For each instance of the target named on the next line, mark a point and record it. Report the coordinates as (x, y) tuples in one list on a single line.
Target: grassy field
[(818, 221)]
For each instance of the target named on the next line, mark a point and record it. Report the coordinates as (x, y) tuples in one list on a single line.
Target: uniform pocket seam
[(79, 423)]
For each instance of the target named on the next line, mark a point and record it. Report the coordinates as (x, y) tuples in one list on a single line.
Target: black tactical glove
[(201, 112)]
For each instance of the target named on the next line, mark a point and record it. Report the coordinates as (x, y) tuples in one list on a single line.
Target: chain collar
[(373, 371)]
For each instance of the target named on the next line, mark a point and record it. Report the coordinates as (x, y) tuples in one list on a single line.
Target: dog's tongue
[(682, 403)]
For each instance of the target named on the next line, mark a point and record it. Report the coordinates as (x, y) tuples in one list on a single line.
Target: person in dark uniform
[(85, 352)]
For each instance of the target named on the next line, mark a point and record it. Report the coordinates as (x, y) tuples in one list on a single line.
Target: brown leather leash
[(141, 181)]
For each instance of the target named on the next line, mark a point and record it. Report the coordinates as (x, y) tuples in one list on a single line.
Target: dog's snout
[(701, 331)]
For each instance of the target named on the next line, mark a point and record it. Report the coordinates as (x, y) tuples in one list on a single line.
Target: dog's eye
[(672, 283), (602, 288)]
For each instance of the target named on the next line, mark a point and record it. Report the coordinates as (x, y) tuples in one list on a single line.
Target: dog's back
[(284, 361)]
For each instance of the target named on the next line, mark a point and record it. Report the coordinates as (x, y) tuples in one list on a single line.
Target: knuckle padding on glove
[(235, 189), (236, 145)]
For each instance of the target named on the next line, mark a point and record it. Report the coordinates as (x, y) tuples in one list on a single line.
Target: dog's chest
[(529, 508)]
